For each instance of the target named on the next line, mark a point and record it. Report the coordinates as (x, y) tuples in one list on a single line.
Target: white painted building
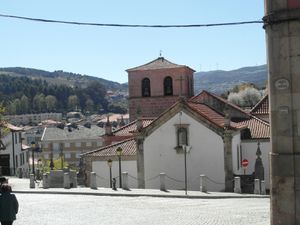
[(14, 160), (161, 144)]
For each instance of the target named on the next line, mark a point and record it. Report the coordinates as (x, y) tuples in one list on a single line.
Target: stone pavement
[(22, 186), (81, 206)]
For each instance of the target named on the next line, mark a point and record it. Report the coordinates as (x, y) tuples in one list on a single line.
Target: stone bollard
[(93, 181), (263, 188), (66, 180), (32, 183), (46, 180), (256, 186), (75, 183), (162, 177), (203, 187), (237, 185), (125, 180)]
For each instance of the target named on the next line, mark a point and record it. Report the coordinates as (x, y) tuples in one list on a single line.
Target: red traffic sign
[(245, 163)]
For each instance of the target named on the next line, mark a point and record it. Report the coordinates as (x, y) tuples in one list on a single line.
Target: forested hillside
[(21, 95), (27, 90)]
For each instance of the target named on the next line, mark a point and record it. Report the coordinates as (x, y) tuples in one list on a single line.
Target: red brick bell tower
[(155, 86)]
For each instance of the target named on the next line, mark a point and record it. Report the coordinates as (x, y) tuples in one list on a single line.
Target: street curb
[(143, 195)]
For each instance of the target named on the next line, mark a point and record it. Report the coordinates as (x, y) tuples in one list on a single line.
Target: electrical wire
[(131, 25)]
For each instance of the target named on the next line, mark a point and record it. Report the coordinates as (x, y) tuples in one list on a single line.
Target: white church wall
[(205, 157), (102, 172), (249, 152)]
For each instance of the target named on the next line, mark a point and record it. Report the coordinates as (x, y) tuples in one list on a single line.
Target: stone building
[(155, 86), (70, 141)]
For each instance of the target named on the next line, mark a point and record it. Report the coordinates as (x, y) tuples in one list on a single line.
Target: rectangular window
[(182, 135), (67, 155), (20, 137), (78, 155), (67, 145), (88, 144), (16, 138), (78, 144), (46, 156), (17, 164)]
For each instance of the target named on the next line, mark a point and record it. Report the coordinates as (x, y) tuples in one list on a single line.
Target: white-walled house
[(14, 160), (219, 135)]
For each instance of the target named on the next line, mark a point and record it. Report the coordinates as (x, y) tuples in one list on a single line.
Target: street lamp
[(109, 163), (184, 147), (119, 153), (32, 156)]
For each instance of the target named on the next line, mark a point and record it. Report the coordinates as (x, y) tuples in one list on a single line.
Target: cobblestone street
[(55, 209)]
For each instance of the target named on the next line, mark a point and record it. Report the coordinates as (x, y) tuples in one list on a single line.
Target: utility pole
[(282, 25)]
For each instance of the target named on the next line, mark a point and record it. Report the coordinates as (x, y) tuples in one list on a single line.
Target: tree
[(39, 104), (247, 97), (89, 105), (24, 104), (73, 103), (50, 103)]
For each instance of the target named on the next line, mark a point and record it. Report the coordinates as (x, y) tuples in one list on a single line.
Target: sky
[(106, 52)]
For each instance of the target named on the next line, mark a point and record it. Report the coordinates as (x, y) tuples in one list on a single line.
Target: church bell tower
[(155, 86)]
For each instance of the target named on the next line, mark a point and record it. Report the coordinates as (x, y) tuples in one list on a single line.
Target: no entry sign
[(245, 163)]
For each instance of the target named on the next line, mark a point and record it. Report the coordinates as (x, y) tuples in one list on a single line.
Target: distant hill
[(219, 81), (60, 77)]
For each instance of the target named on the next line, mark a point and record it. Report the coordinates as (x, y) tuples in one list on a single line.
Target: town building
[(69, 141), (14, 157), (32, 119)]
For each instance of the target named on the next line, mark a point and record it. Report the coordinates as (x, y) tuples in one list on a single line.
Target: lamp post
[(32, 156), (119, 153), (184, 147), (109, 163)]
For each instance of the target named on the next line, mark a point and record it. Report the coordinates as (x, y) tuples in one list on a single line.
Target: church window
[(168, 86), (182, 136), (146, 91)]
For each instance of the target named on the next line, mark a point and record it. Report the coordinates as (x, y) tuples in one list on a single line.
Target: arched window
[(146, 88), (168, 86)]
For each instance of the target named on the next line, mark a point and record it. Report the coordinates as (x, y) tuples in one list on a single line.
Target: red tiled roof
[(257, 127), (211, 115), (201, 97), (262, 107), (128, 129), (12, 127), (128, 146), (159, 63)]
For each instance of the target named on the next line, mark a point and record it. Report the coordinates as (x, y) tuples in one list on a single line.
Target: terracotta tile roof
[(128, 129), (211, 115), (159, 63), (201, 98), (262, 107), (128, 146), (258, 128), (12, 127)]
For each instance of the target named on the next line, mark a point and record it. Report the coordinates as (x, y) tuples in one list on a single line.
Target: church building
[(168, 121)]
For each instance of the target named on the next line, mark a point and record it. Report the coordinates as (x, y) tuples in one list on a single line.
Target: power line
[(131, 25)]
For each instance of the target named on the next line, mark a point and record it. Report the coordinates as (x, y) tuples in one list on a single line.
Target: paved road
[(54, 209)]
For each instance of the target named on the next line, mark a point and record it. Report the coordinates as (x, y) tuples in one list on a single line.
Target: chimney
[(139, 124), (108, 128)]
